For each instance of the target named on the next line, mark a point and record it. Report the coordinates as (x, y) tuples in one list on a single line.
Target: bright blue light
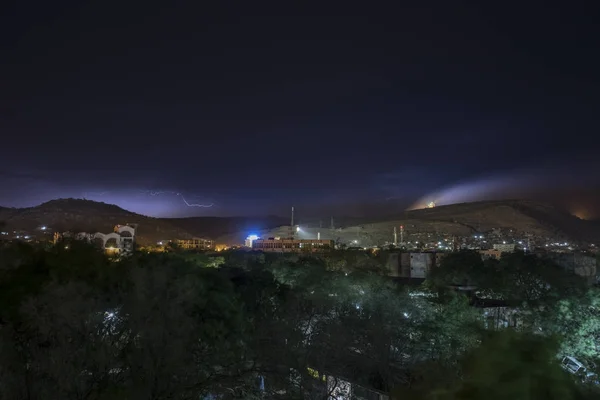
[(252, 237)]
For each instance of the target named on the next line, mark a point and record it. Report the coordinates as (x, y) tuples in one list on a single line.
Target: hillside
[(520, 216), (459, 219), (87, 216)]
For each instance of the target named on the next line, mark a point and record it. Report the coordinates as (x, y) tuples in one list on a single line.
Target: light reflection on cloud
[(139, 201), (530, 183)]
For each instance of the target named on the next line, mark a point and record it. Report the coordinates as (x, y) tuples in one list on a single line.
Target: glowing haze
[(570, 188)]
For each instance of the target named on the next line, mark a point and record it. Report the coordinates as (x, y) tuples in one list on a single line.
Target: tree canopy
[(181, 325)]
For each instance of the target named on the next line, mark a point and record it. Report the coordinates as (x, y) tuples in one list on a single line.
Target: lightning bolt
[(194, 204), (160, 192), (157, 192)]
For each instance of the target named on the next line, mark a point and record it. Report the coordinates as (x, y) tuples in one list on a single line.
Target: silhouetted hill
[(458, 219), (520, 215), (80, 215)]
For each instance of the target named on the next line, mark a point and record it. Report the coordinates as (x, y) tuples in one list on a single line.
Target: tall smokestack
[(395, 237), (318, 235)]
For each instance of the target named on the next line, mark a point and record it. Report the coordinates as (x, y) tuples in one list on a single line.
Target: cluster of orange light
[(581, 214)]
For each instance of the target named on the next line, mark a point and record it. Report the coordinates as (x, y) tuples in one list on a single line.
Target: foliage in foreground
[(507, 365), (75, 325)]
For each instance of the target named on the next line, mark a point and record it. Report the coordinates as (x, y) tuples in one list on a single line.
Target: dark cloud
[(255, 108)]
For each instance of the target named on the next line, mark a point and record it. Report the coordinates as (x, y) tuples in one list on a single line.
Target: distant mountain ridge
[(81, 215), (91, 216), (521, 215)]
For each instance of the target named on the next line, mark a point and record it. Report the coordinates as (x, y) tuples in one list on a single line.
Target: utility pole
[(292, 225)]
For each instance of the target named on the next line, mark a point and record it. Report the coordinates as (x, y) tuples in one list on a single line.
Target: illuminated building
[(504, 247), (249, 240), (292, 245), (490, 253), (195, 244), (122, 240)]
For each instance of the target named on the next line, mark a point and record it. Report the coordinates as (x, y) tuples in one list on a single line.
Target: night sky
[(248, 107)]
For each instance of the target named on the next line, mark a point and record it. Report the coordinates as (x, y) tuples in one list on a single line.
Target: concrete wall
[(420, 264), (412, 265), (405, 265)]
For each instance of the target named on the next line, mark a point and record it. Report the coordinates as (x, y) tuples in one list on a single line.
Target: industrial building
[(291, 245), (490, 254), (195, 244), (505, 247)]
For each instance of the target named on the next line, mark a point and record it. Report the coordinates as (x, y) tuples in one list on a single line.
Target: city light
[(250, 239)]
